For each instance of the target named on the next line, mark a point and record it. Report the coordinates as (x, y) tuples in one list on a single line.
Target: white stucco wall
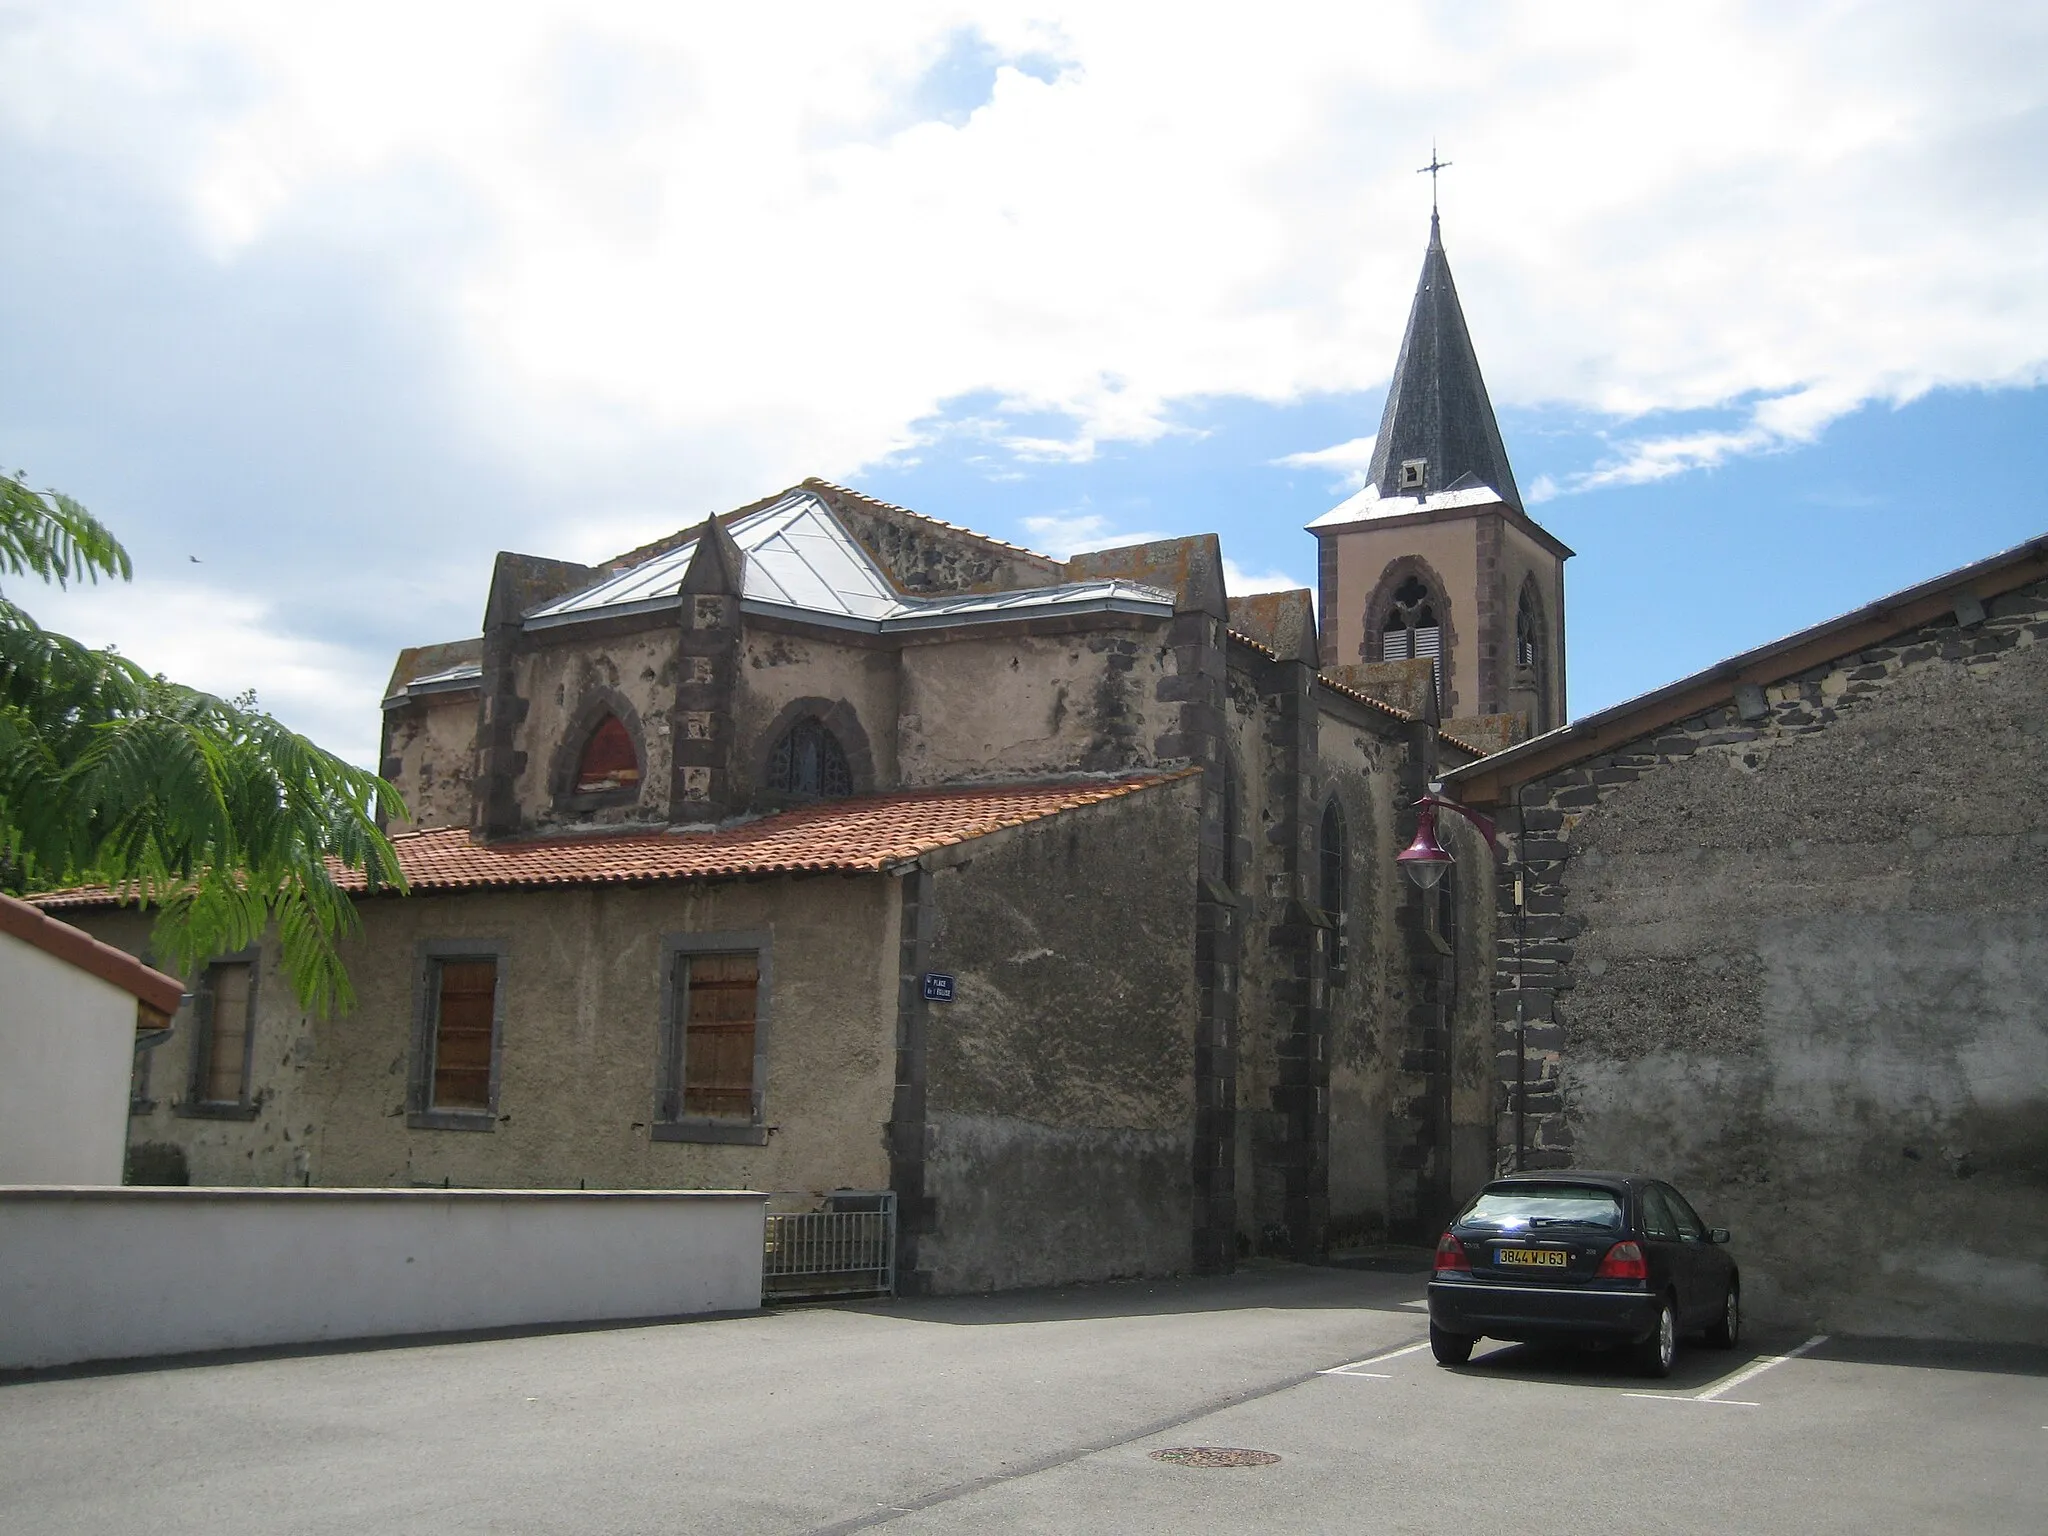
[(110, 1274), (67, 1044)]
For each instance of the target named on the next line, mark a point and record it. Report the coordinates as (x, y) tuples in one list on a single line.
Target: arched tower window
[(1413, 629), (1528, 631), (609, 761), (1332, 891), (809, 761), (1532, 660)]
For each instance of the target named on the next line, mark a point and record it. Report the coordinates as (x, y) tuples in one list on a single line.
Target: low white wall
[(67, 1047), (109, 1274)]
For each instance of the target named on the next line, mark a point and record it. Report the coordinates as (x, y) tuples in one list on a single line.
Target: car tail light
[(1450, 1256), (1624, 1261)]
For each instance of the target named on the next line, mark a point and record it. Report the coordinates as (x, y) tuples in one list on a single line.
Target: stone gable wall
[(1793, 962), (430, 754)]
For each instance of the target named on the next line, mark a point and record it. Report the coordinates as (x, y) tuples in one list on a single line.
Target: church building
[(825, 845)]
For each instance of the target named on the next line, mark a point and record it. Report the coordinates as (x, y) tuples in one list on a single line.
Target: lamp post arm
[(1485, 824)]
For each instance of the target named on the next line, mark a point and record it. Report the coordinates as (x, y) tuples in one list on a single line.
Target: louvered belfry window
[(1411, 631), (1528, 631), (465, 1017), (809, 761), (720, 997)]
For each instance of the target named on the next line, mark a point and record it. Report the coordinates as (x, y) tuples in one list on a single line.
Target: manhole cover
[(1214, 1456)]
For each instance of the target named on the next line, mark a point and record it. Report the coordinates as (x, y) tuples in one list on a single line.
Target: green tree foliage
[(206, 808)]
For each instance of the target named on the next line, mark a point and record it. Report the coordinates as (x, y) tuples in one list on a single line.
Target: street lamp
[(1426, 860)]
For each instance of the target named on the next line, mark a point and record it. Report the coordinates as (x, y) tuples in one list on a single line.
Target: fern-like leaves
[(213, 812)]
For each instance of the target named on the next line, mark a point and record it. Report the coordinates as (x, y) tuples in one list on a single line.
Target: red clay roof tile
[(861, 835)]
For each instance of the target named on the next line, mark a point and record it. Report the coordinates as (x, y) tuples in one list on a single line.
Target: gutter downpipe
[(1521, 1003)]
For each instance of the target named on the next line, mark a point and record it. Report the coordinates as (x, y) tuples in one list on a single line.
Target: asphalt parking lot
[(1038, 1412)]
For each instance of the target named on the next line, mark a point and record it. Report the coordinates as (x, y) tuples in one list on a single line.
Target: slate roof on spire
[(1437, 409)]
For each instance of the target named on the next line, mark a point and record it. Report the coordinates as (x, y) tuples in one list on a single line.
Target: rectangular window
[(223, 1033), (458, 1024), (224, 1078), (465, 1009), (713, 1039), (718, 1041)]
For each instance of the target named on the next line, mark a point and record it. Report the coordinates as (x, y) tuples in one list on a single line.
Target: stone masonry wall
[(1793, 962)]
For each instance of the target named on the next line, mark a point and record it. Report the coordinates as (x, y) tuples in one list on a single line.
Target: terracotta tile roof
[(1258, 645), (1395, 710), (81, 949), (861, 835), (1364, 698), (1461, 744)]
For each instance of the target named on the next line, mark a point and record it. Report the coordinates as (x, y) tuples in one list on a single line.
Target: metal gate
[(844, 1246)]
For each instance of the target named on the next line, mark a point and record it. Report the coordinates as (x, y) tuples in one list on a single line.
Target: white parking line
[(1712, 1393), (1759, 1368), (1353, 1368)]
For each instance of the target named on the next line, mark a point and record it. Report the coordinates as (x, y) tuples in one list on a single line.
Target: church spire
[(1438, 433)]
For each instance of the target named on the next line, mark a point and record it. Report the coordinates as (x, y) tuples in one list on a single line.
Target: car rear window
[(1515, 1207)]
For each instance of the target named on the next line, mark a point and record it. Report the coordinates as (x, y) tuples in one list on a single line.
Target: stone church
[(825, 845)]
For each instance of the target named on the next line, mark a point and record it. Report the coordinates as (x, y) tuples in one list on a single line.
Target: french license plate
[(1538, 1258)]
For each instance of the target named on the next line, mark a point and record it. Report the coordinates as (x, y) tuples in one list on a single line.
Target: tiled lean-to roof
[(863, 835)]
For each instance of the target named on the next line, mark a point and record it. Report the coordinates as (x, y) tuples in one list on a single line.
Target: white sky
[(651, 260)]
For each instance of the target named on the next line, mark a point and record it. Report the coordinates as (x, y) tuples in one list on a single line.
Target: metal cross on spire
[(1432, 168)]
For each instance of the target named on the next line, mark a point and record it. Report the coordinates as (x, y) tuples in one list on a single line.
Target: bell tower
[(1436, 559)]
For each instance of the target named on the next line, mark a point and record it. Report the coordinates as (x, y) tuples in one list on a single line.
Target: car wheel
[(1654, 1354), (1727, 1333), (1450, 1348)]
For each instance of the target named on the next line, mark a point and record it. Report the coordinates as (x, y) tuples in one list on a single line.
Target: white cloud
[(1242, 583), (225, 643), (1066, 534), (657, 259), (727, 222), (1352, 461), (1775, 424)]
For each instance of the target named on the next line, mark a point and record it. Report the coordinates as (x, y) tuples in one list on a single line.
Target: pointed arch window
[(610, 762), (1413, 629), (1528, 631), (1333, 889), (809, 761)]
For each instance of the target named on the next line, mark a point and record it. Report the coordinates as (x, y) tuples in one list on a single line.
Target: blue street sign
[(938, 987)]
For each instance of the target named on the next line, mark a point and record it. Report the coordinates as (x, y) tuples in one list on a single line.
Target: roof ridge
[(925, 517)]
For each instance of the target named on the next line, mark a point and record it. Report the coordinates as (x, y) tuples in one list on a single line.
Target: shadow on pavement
[(1696, 1369), (1938, 1355)]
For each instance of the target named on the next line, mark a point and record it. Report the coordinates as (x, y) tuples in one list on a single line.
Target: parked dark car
[(1591, 1257)]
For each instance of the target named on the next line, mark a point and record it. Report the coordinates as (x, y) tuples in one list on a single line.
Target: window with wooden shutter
[(609, 762), (457, 1020), (465, 1030), (721, 995), (223, 1042)]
